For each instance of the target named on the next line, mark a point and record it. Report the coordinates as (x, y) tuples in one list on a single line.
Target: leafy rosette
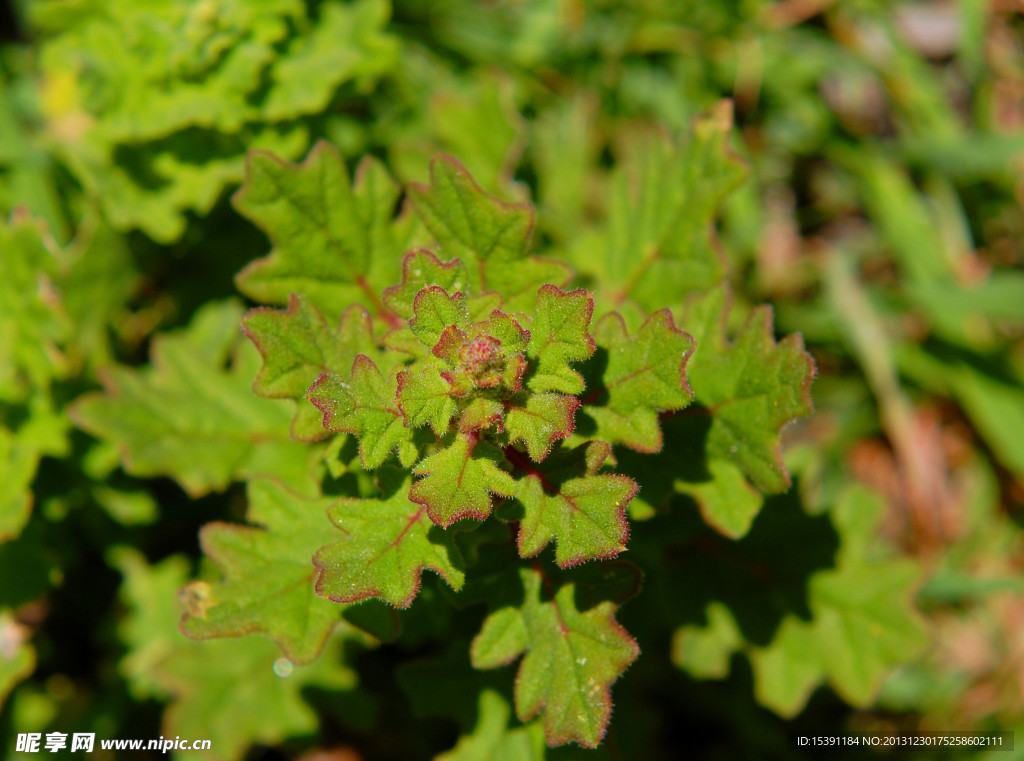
[(495, 390), (476, 391), (458, 388)]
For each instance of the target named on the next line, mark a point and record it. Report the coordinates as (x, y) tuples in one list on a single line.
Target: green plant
[(152, 105), (651, 480), (457, 394)]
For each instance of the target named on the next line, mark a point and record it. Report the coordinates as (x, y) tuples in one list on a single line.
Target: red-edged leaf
[(544, 419), (481, 413), (268, 576), (364, 405), (566, 501), (435, 310), (573, 653), (644, 376), (460, 479), (334, 242), (421, 269), (559, 336), (298, 345), (386, 544), (424, 396), (490, 236)]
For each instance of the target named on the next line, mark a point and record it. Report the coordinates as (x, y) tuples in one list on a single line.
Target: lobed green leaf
[(268, 575), (544, 419), (573, 654), (386, 545), (334, 243), (297, 346), (861, 625), (458, 480), (490, 236), (752, 385), (424, 396), (421, 269), (364, 405), (187, 418), (195, 676), (494, 738), (658, 245), (559, 336), (567, 502), (644, 375), (435, 310)]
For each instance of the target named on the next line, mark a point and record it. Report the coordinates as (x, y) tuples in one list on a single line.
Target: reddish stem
[(392, 319), (523, 463)]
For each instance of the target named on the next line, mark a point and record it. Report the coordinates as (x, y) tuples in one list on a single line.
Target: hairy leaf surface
[(644, 375), (297, 346), (573, 654), (385, 546), (559, 336), (565, 500), (335, 242), (363, 404), (458, 481), (490, 236), (544, 419)]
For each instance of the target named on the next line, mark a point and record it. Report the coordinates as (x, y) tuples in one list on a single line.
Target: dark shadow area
[(761, 578), (445, 685), (10, 28), (593, 372), (594, 583), (347, 717), (682, 457), (375, 617)]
